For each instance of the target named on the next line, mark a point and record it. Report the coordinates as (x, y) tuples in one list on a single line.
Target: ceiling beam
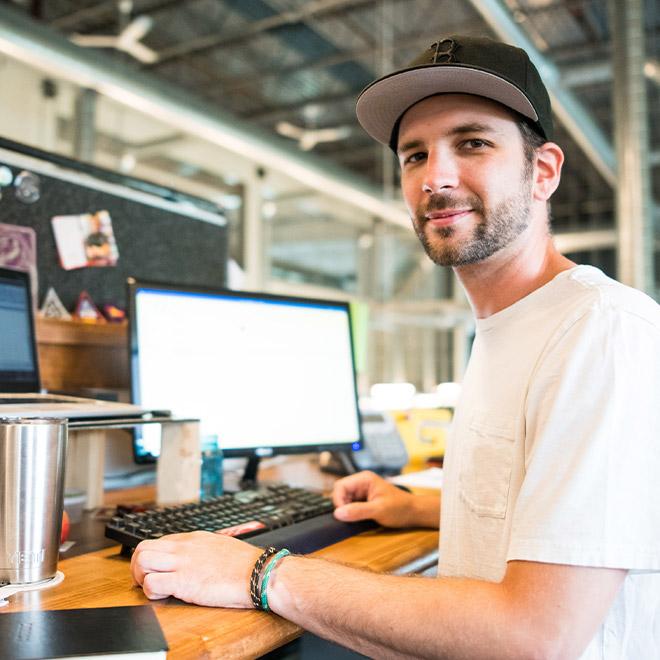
[(579, 241), (409, 41), (601, 72), (210, 42), (70, 21), (104, 14), (285, 110)]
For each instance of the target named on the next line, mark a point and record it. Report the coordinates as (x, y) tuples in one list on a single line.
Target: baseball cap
[(458, 65)]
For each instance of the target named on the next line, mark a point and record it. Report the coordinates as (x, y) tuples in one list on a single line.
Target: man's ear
[(549, 159)]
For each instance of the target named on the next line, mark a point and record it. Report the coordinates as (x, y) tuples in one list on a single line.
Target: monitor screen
[(18, 361), (264, 374)]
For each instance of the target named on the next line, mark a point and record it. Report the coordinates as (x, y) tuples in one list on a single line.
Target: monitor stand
[(249, 479), (337, 462)]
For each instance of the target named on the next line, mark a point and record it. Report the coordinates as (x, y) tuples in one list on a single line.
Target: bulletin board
[(161, 235)]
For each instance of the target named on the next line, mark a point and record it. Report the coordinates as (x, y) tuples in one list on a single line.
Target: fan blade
[(93, 41), (141, 52), (307, 142), (136, 30), (331, 134), (313, 137), (289, 130)]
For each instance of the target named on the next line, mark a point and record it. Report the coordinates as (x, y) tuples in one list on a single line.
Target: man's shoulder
[(599, 292)]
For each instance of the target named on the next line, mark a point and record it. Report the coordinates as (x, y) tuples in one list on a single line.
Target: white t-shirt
[(555, 449)]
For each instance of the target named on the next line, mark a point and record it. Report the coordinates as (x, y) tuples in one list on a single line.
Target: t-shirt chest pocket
[(487, 461)]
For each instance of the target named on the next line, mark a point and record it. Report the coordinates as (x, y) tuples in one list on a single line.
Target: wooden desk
[(102, 579)]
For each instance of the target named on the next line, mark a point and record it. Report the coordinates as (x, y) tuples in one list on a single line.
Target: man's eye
[(475, 143), (414, 158)]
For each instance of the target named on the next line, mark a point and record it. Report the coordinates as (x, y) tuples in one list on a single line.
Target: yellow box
[(424, 433)]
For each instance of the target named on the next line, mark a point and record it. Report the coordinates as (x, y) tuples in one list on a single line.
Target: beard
[(495, 229)]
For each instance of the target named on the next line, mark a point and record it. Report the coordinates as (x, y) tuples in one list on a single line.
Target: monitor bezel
[(135, 285), (34, 383)]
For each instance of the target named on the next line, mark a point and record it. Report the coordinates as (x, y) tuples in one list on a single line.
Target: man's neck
[(511, 274)]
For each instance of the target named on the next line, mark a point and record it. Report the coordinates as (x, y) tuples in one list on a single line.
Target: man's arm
[(538, 610)]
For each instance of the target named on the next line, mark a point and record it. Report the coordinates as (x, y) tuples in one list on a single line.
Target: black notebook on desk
[(98, 632)]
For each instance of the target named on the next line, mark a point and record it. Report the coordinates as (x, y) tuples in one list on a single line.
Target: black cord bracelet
[(255, 584)]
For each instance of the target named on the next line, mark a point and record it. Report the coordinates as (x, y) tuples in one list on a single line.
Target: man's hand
[(198, 567), (365, 495)]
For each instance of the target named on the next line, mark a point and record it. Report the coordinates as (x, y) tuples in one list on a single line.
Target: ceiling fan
[(127, 41), (308, 138)]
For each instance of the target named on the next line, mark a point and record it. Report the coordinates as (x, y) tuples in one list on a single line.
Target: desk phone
[(384, 450)]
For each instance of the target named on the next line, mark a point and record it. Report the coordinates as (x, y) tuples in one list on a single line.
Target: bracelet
[(267, 573), (255, 588)]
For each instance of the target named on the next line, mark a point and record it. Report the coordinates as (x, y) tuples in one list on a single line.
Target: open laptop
[(20, 386)]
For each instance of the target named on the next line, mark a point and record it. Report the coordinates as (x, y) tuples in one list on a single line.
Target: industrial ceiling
[(295, 67)]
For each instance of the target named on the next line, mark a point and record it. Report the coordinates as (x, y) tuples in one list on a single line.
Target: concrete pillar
[(387, 65), (254, 236), (366, 264), (633, 199), (429, 376), (84, 142)]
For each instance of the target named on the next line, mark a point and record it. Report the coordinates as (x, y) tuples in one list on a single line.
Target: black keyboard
[(298, 519)]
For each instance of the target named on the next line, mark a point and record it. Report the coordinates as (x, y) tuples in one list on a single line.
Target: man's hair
[(531, 138)]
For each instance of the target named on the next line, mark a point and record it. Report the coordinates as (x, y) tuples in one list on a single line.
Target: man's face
[(465, 180)]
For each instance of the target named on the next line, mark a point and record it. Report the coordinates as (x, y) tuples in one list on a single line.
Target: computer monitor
[(266, 374)]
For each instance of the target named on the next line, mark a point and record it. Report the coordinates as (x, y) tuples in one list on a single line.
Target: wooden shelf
[(75, 355), (55, 331)]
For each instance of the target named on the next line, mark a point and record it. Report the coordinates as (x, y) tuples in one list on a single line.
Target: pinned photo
[(85, 240)]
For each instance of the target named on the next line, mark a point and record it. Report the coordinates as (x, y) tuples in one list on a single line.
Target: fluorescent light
[(391, 396), (448, 394)]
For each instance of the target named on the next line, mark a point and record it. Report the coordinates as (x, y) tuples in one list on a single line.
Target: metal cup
[(32, 456)]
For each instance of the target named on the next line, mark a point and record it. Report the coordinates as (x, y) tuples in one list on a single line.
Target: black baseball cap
[(458, 65)]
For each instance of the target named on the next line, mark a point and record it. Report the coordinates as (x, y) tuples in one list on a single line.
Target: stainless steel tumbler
[(32, 455)]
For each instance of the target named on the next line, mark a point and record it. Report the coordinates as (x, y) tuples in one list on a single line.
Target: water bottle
[(211, 481)]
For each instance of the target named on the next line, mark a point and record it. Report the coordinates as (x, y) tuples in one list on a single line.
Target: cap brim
[(381, 104)]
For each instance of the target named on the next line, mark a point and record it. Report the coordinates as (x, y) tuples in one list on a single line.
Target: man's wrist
[(246, 579), (280, 595), (425, 511), (269, 571), (257, 576)]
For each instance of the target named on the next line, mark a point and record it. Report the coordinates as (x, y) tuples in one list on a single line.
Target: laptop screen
[(18, 361)]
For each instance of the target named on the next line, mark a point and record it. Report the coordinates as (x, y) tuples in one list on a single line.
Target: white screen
[(256, 372)]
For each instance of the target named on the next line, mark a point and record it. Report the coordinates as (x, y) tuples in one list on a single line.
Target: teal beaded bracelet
[(264, 581)]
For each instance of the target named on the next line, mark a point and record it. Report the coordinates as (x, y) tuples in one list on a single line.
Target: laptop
[(20, 386)]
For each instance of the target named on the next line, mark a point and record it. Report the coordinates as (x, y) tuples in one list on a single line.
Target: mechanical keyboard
[(298, 519)]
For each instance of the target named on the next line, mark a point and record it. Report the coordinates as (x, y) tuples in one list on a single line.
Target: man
[(551, 505)]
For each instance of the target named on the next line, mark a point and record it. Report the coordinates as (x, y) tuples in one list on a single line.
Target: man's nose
[(441, 173)]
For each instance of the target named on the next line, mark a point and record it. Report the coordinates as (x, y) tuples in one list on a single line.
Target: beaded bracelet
[(255, 578), (267, 573)]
